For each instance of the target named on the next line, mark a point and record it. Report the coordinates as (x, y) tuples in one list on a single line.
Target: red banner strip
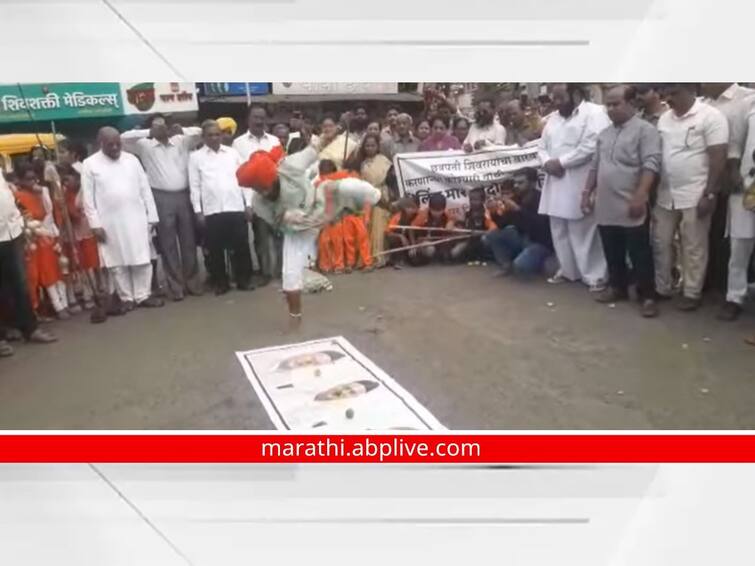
[(442, 448)]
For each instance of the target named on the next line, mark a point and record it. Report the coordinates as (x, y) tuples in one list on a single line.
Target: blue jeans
[(511, 249)]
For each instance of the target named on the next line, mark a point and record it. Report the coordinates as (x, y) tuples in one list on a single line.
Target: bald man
[(119, 206)]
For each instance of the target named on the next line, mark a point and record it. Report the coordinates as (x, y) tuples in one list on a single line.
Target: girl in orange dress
[(43, 250), (87, 252)]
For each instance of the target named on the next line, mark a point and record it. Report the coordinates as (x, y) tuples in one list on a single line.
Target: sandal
[(6, 350)]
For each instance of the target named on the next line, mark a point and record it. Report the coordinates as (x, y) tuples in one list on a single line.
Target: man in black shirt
[(522, 243)]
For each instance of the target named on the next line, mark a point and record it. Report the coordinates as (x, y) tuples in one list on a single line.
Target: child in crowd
[(436, 220), (43, 269), (330, 256), (87, 253), (477, 218), (353, 229), (396, 237)]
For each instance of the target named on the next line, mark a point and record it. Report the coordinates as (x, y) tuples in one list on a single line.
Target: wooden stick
[(425, 244), (449, 230)]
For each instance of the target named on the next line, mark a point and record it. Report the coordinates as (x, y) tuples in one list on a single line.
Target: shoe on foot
[(611, 295), (504, 271), (98, 316), (40, 336), (246, 287), (6, 350), (688, 304), (13, 335), (729, 311), (63, 314), (557, 279), (649, 308), (128, 306), (597, 287), (151, 303), (74, 309)]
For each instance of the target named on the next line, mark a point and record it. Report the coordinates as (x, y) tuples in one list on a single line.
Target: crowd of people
[(647, 190)]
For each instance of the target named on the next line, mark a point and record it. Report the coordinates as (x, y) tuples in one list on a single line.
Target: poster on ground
[(327, 385), (58, 101), (454, 172), (164, 98)]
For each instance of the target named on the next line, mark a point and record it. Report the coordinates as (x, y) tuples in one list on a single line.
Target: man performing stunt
[(286, 197)]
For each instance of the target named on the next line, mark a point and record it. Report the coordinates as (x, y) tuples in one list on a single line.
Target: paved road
[(478, 352)]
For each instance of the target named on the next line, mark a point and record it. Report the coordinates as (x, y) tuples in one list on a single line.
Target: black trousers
[(14, 294), (618, 241), (228, 231)]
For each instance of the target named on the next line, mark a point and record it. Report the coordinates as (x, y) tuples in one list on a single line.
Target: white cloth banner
[(327, 385), (455, 172)]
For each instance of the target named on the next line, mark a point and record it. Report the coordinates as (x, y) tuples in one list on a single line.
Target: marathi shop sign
[(57, 101), (166, 98)]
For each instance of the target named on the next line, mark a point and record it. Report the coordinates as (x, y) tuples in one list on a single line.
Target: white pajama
[(578, 249), (741, 230), (133, 283), (298, 249)]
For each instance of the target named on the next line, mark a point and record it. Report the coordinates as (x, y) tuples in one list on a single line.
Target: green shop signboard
[(58, 101)]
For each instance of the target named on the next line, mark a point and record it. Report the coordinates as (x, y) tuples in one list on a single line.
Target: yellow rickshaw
[(13, 145)]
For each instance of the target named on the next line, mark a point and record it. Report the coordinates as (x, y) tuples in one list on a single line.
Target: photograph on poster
[(329, 385)]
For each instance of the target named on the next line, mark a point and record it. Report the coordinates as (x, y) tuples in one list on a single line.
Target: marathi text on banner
[(455, 172), (57, 101)]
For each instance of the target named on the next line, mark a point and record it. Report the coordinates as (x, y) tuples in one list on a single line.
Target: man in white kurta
[(119, 206), (736, 103), (566, 149)]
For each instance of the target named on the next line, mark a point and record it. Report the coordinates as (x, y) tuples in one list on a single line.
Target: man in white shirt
[(165, 159), (119, 206), (13, 274), (695, 138), (485, 130), (222, 207), (566, 149), (266, 242), (730, 217)]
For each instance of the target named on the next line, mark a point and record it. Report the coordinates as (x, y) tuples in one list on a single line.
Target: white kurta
[(117, 198), (741, 222), (572, 141)]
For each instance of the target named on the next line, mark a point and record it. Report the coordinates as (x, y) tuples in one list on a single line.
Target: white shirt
[(685, 165), (246, 144), (740, 221), (494, 133), (166, 164), (118, 199), (572, 141), (212, 181), (735, 103), (11, 223)]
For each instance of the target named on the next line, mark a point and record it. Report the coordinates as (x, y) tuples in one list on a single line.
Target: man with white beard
[(119, 206), (566, 150)]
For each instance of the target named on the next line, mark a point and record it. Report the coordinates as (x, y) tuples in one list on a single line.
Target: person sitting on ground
[(408, 207), (439, 139), (478, 219), (522, 243), (437, 221)]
